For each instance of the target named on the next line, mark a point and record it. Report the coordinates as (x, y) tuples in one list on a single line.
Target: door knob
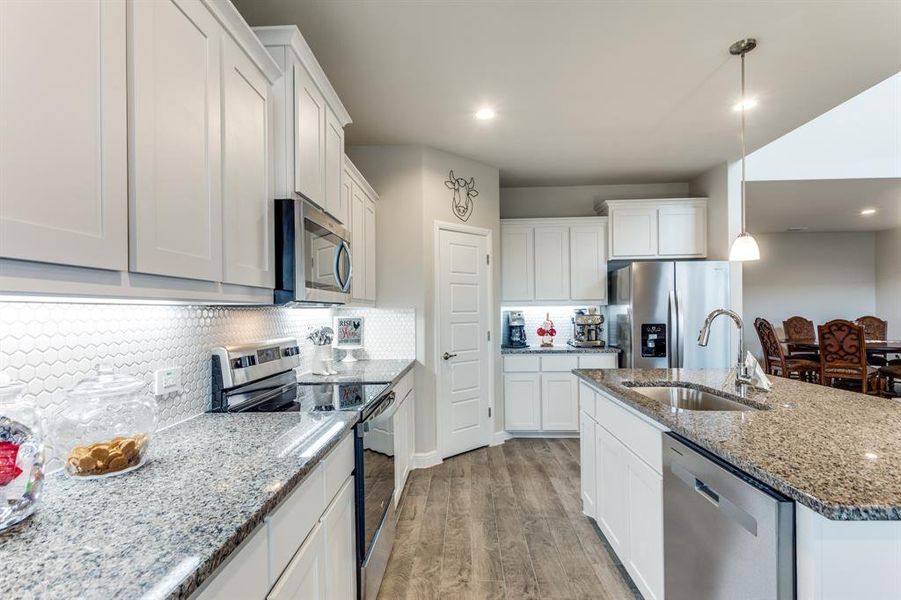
[(448, 356)]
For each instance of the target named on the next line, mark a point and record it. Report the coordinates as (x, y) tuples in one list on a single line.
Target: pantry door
[(463, 346)]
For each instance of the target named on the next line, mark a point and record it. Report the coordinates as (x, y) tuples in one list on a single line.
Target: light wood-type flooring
[(501, 522)]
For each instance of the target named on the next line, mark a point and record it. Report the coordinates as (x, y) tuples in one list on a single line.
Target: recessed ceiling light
[(746, 104), (485, 114), (868, 211)]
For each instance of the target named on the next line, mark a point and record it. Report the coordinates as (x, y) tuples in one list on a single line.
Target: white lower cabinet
[(306, 548), (404, 435), (541, 394), (622, 485), (340, 551)]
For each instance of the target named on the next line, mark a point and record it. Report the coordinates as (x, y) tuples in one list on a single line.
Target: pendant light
[(745, 246)]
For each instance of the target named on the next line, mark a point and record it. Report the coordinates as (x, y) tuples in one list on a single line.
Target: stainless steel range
[(259, 377)]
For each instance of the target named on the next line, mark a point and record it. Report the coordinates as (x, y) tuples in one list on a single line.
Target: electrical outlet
[(167, 381)]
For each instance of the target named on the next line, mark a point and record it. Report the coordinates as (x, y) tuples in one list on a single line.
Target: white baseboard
[(542, 434), (500, 437), (424, 460)]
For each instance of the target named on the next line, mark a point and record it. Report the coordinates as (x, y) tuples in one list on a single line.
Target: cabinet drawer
[(559, 363), (639, 436), (587, 400), (521, 364), (607, 360), (295, 518), (240, 575), (338, 465)]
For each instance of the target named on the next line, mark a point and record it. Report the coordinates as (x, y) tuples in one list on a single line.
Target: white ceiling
[(823, 205), (589, 92)]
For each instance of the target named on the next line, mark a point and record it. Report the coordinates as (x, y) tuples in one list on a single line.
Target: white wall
[(821, 276), (888, 279), (412, 197), (577, 200)]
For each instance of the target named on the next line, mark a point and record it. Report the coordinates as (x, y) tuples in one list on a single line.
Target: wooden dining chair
[(774, 359), (892, 374), (799, 330), (843, 357), (875, 328)]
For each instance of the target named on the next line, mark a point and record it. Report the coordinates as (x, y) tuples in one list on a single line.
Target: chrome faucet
[(743, 370)]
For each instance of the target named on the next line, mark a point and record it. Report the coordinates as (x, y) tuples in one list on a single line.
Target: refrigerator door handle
[(680, 333), (671, 361)]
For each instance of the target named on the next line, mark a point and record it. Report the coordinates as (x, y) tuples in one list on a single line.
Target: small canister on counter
[(21, 454), (105, 425)]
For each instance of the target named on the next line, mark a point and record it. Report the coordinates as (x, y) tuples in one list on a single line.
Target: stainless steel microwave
[(312, 255)]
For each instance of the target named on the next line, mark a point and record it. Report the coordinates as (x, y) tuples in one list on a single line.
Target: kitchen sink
[(683, 398)]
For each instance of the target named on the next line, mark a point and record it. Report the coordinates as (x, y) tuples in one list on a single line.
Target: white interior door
[(463, 312)]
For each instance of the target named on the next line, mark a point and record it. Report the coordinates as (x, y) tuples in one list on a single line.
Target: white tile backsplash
[(51, 346)]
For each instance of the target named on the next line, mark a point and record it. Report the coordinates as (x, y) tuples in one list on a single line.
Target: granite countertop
[(362, 371), (560, 349), (834, 451), (160, 531)]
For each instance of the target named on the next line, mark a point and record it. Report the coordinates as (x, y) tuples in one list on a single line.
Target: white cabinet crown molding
[(602, 207), (289, 35), (359, 179), (532, 222), (226, 13)]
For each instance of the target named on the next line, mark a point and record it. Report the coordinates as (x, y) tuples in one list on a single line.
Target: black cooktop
[(319, 397)]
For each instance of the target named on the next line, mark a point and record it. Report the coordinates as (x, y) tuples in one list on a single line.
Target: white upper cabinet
[(63, 153), (554, 260), (308, 125), (552, 263), (174, 113), (682, 229), (363, 214), (588, 262), (517, 263), (668, 228), (247, 201)]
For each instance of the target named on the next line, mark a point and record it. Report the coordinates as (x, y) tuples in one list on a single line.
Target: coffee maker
[(514, 329), (587, 328)]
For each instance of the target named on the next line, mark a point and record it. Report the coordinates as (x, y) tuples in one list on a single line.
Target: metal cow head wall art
[(464, 192)]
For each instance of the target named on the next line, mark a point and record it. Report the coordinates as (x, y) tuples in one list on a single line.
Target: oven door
[(326, 270), (375, 494)]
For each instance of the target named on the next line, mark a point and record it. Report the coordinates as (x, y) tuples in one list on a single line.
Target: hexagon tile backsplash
[(51, 346)]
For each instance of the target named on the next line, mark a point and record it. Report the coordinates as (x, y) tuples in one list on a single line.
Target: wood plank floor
[(502, 523)]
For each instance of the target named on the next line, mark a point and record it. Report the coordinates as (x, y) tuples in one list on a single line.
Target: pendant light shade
[(744, 247)]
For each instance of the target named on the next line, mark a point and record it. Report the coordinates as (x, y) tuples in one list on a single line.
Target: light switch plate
[(167, 381)]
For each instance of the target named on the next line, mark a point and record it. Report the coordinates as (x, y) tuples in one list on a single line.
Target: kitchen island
[(837, 454)]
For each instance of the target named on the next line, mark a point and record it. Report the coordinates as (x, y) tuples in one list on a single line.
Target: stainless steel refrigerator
[(656, 310)]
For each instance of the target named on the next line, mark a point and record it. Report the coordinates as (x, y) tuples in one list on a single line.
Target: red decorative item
[(547, 332), (9, 452)]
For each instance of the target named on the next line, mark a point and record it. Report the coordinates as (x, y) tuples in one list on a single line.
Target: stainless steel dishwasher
[(726, 535)]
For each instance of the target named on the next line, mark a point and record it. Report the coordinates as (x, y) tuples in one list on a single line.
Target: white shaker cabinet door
[(586, 462), (517, 263), (247, 204), (682, 230), (559, 402), (309, 137), (358, 249), (612, 498), (552, 263), (338, 528), (175, 186), (645, 500), (633, 231), (335, 201), (304, 578), (63, 147), (588, 262), (243, 575), (522, 401), (369, 223)]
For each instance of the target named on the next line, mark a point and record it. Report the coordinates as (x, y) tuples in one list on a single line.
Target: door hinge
[(489, 335), (489, 412), (487, 259)]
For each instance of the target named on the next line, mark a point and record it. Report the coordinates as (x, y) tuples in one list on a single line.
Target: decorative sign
[(464, 192), (348, 332)]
